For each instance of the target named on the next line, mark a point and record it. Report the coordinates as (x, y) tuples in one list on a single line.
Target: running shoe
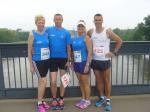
[(100, 102)]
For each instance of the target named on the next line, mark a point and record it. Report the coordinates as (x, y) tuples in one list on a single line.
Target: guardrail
[(130, 72)]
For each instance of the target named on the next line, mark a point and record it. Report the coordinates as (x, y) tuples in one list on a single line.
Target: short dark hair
[(98, 14), (58, 15)]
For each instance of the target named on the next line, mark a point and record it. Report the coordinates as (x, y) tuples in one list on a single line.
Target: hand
[(86, 69), (68, 64), (109, 55), (32, 69)]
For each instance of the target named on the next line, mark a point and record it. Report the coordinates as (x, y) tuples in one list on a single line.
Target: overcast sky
[(117, 13)]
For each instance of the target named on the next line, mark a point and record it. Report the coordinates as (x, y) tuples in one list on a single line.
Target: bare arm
[(89, 52), (89, 49), (30, 50), (69, 52), (89, 33), (116, 38)]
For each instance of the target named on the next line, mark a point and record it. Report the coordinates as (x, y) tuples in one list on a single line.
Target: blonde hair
[(39, 17)]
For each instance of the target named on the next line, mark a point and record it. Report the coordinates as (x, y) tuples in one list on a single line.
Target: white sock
[(108, 101), (88, 101), (83, 99), (39, 102)]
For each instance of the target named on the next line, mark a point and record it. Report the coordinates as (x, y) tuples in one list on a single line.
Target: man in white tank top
[(100, 64)]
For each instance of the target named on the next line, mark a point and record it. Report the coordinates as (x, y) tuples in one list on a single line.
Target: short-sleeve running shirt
[(59, 38)]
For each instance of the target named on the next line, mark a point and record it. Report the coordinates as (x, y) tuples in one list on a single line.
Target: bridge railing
[(130, 72)]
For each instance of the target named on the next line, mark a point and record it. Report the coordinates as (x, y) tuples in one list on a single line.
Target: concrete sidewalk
[(132, 103)]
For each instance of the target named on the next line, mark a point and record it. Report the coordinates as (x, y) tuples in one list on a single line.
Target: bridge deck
[(132, 103)]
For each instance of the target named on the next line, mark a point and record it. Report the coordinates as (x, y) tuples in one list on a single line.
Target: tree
[(126, 34), (7, 36), (143, 30), (146, 27)]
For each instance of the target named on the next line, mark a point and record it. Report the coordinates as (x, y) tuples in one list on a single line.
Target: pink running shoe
[(85, 104), (61, 102), (79, 103), (46, 106), (41, 108)]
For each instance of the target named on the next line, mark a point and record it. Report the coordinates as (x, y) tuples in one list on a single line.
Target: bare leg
[(81, 85), (41, 87), (62, 89), (53, 84), (86, 86), (107, 84), (99, 82)]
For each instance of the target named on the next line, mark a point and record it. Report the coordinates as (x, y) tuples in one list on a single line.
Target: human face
[(40, 24), (58, 21), (98, 20), (80, 29)]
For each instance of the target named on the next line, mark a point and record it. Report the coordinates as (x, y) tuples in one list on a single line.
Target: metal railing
[(130, 72)]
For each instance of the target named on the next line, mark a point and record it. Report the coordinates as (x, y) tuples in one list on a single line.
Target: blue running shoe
[(100, 102), (108, 107)]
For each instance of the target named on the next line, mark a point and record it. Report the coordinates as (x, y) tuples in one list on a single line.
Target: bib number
[(65, 79), (99, 50), (77, 56), (45, 53)]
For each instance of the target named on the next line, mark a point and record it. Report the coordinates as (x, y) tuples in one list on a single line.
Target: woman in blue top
[(38, 55), (82, 54)]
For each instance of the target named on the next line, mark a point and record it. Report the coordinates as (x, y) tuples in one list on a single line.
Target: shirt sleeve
[(68, 38)]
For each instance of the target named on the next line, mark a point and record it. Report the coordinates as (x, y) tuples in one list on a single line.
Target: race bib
[(77, 56), (99, 50), (65, 79), (45, 53)]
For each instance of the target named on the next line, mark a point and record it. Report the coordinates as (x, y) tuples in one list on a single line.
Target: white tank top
[(101, 44)]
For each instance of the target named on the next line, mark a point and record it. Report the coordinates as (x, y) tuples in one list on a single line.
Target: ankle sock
[(39, 102)]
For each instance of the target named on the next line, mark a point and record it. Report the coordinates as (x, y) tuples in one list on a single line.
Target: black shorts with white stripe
[(41, 67)]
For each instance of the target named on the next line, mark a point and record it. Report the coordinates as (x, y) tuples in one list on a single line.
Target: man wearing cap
[(82, 52), (100, 37)]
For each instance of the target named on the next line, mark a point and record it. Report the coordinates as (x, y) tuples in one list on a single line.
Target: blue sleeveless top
[(40, 46), (79, 46)]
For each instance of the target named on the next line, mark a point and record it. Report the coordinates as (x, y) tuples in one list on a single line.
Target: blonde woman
[(38, 55), (82, 52)]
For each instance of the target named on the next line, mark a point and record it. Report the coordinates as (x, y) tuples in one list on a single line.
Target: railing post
[(2, 86)]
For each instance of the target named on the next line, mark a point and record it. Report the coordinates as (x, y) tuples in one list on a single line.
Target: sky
[(121, 14)]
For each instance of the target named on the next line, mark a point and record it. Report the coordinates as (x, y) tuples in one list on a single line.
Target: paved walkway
[(132, 103)]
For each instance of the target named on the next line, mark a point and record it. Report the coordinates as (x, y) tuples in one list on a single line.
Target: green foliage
[(140, 33), (126, 34), (7, 36), (146, 27)]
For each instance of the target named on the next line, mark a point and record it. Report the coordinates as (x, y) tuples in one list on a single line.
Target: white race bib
[(65, 79), (98, 50), (77, 56), (45, 53)]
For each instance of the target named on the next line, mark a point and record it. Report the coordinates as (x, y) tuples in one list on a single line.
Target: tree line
[(9, 36), (140, 33)]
